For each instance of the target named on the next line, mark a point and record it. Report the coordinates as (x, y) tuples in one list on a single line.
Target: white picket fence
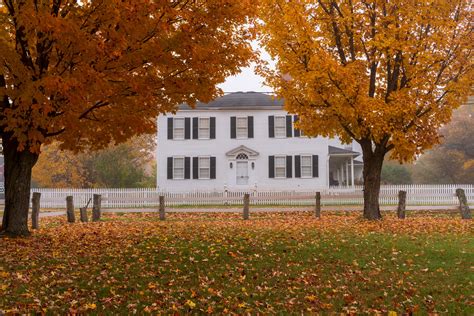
[(429, 195)]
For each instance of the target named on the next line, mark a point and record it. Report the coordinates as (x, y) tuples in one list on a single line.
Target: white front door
[(242, 172)]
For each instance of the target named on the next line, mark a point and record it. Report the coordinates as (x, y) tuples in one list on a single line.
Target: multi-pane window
[(178, 128), (204, 168), (280, 126), (306, 166), (280, 166), (204, 128), (178, 168), (242, 127)]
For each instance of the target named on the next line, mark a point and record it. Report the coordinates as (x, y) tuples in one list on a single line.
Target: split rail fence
[(417, 195)]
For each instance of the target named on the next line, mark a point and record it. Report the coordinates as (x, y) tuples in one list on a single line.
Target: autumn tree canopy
[(90, 73), (385, 73)]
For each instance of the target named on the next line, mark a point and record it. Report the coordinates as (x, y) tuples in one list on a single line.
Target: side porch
[(344, 169)]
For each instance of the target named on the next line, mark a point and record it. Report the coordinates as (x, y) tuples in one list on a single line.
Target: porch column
[(347, 173), (352, 171), (327, 172), (341, 168)]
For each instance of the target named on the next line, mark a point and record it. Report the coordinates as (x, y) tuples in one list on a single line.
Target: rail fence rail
[(429, 195)]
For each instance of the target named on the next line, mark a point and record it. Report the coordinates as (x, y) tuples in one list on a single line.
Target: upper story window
[(306, 166), (178, 128), (280, 126), (242, 127), (204, 128), (297, 132)]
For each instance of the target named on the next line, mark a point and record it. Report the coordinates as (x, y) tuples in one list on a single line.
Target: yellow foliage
[(385, 73)]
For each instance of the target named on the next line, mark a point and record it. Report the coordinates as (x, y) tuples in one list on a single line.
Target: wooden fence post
[(70, 209), (246, 206), (317, 208), (83, 212), (402, 202), (96, 205), (162, 208), (35, 209), (463, 206)]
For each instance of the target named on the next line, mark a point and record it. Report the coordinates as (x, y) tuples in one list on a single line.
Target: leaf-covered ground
[(217, 263)]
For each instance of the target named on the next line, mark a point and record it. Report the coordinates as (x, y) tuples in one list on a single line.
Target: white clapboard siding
[(443, 195)]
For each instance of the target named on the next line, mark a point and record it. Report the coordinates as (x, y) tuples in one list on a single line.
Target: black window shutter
[(213, 128), (297, 166), (315, 166), (271, 126), (250, 127), (187, 128), (213, 167), (233, 127), (289, 130), (296, 131), (271, 166), (170, 168), (289, 166), (195, 128), (170, 128), (187, 167), (195, 168)]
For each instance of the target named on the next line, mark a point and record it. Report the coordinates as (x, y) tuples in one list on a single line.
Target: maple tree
[(385, 73), (90, 73)]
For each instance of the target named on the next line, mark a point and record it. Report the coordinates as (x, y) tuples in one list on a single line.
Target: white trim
[(242, 149)]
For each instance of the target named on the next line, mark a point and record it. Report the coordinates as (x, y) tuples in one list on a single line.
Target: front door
[(242, 172)]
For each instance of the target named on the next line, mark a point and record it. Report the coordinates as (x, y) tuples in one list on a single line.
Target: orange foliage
[(89, 73)]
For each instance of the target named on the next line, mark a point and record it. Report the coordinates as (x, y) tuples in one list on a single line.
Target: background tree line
[(127, 165), (452, 161)]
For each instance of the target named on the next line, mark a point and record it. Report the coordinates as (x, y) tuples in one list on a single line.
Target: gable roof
[(239, 100)]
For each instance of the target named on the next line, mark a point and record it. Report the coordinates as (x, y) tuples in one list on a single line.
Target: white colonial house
[(246, 140)]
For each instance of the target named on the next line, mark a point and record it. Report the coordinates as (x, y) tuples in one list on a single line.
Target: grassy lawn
[(217, 263)]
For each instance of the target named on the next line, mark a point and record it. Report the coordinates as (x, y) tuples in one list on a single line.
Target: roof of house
[(240, 100), (341, 151)]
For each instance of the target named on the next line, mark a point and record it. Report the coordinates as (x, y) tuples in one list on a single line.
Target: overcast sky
[(248, 80)]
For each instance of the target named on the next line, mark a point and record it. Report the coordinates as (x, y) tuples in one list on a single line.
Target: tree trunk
[(18, 166), (373, 161)]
